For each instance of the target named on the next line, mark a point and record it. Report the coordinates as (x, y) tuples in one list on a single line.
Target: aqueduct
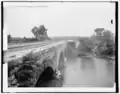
[(54, 51)]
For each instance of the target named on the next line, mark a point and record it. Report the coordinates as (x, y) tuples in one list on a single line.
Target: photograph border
[(116, 45)]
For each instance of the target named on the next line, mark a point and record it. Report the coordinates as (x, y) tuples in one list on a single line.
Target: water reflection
[(85, 71), (86, 63), (89, 71)]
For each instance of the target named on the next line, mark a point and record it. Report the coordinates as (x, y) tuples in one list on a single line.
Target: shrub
[(108, 52), (29, 57), (24, 74), (11, 65)]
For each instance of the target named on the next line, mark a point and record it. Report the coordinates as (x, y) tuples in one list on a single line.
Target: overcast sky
[(61, 19)]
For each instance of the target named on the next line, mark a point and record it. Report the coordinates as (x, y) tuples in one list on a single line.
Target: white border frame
[(55, 89)]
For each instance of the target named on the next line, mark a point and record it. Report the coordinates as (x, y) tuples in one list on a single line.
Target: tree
[(108, 37), (86, 44), (40, 32), (106, 44), (99, 31), (34, 31)]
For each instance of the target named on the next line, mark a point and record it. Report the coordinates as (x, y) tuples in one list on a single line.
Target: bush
[(12, 65), (108, 52), (24, 72), (29, 57), (86, 44)]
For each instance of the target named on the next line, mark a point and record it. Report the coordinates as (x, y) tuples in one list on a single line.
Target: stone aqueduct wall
[(38, 60)]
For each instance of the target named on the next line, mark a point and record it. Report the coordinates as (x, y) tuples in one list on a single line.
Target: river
[(84, 72), (89, 71)]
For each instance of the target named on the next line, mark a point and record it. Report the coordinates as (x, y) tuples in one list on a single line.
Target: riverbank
[(88, 54)]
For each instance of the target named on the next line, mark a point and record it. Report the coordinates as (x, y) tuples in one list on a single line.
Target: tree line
[(102, 42), (40, 34)]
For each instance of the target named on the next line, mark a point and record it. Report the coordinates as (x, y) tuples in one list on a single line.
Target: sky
[(61, 19)]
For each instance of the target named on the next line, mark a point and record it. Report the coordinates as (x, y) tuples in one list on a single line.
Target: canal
[(87, 71)]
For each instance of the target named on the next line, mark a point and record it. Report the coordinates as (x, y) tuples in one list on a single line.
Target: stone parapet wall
[(32, 63), (39, 60)]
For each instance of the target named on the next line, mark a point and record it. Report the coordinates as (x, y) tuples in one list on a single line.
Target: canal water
[(89, 72), (85, 72)]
